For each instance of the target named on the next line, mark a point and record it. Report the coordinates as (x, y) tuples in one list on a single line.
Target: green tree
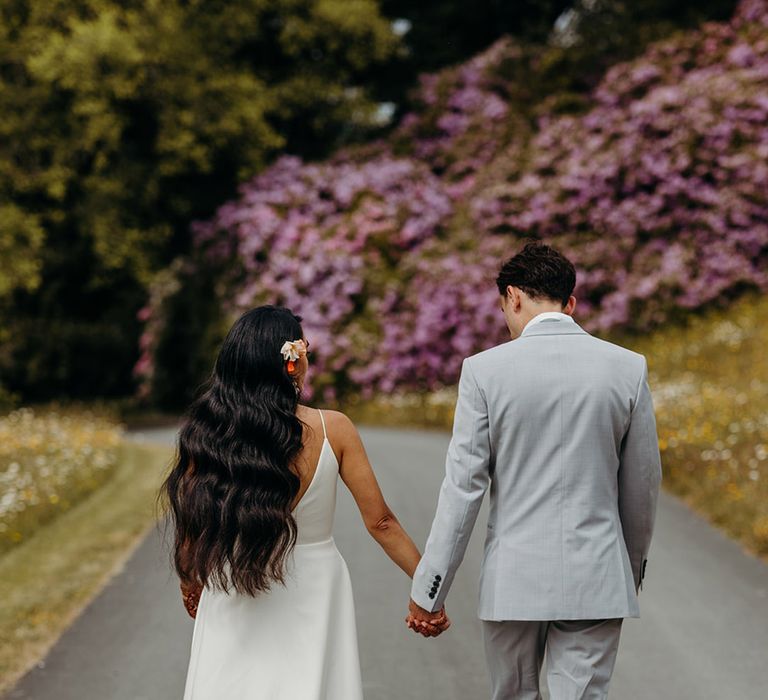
[(570, 43), (123, 121), (595, 34), (599, 33), (21, 239), (443, 32)]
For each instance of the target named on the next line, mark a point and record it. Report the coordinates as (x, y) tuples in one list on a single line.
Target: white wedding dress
[(297, 642)]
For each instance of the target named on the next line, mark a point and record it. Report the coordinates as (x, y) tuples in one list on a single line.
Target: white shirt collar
[(547, 314)]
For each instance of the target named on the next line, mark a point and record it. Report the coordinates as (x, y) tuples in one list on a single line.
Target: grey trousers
[(580, 657)]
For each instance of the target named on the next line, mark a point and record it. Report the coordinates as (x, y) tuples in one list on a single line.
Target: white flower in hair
[(293, 350)]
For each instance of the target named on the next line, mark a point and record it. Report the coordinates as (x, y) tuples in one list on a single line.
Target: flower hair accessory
[(292, 350)]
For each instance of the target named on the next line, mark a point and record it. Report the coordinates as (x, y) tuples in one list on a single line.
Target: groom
[(561, 426)]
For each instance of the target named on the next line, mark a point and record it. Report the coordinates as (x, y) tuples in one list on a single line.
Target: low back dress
[(295, 642)]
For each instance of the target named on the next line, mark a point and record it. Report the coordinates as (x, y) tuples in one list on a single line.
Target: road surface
[(703, 633)]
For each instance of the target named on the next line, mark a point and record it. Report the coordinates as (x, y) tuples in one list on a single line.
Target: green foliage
[(595, 34), (444, 32), (123, 121), (710, 376), (572, 43), (21, 238), (191, 333)]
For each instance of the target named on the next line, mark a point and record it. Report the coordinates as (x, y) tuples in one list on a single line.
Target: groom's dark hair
[(540, 271)]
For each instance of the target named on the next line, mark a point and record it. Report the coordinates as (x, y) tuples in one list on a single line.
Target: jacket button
[(438, 577), (431, 595)]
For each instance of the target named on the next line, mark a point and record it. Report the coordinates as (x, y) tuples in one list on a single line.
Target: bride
[(251, 496)]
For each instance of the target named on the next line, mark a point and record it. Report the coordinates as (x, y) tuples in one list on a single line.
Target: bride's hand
[(190, 594)]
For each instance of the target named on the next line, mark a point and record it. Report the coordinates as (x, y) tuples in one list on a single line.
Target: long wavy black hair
[(231, 486)]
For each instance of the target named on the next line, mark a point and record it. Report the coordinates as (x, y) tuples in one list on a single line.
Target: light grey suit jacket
[(561, 426)]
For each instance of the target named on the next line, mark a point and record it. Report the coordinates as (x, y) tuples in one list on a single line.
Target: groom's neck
[(540, 308)]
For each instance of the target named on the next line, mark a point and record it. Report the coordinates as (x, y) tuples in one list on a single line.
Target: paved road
[(703, 634)]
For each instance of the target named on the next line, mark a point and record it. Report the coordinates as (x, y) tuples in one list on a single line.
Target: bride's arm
[(357, 474)]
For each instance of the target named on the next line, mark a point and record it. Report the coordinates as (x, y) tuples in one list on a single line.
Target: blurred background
[(368, 163)]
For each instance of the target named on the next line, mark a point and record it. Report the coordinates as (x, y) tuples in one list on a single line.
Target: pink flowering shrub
[(658, 193), (448, 309), (463, 116), (325, 240)]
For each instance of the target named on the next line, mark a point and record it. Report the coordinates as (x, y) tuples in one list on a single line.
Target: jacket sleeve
[(467, 475), (639, 478)]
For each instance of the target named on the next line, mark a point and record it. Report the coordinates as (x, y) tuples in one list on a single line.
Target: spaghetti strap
[(325, 434)]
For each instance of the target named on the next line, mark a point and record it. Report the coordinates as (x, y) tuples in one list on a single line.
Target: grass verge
[(48, 580), (710, 382), (49, 461)]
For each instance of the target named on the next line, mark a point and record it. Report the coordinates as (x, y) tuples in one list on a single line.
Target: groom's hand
[(426, 623)]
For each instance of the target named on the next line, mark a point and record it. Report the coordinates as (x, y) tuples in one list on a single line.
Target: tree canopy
[(123, 121)]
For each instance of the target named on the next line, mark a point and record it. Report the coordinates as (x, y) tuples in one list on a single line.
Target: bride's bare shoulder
[(333, 419), (338, 418), (340, 427)]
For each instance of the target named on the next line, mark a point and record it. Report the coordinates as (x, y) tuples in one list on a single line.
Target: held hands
[(425, 623)]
